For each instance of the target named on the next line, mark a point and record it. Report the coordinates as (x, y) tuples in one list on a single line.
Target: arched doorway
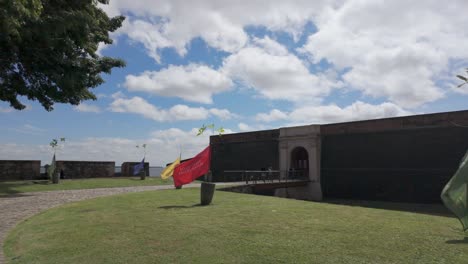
[(299, 167)]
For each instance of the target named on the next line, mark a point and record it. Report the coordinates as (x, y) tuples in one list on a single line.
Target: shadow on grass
[(461, 241), (9, 189), (135, 179), (13, 195), (43, 182), (179, 206), (430, 209)]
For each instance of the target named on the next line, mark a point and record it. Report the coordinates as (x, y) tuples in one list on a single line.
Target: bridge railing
[(265, 176)]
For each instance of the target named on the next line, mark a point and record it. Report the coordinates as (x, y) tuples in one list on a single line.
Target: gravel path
[(16, 208)]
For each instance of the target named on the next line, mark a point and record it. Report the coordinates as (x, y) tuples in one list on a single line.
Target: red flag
[(188, 171)]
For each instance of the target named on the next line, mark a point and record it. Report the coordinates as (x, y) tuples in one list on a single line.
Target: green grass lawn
[(168, 227), (15, 187)]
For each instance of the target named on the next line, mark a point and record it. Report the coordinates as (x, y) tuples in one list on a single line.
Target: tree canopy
[(48, 50)]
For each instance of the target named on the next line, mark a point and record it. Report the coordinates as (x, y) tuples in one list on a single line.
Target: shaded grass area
[(433, 209), (18, 187), (169, 227)]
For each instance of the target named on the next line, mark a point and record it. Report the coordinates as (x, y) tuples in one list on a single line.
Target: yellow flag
[(167, 172)]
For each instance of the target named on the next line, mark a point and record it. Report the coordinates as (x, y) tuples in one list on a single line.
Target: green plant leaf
[(201, 130), (463, 78)]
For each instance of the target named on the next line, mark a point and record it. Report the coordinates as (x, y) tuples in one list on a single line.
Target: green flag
[(51, 169), (455, 193)]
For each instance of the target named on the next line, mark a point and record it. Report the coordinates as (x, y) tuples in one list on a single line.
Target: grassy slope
[(166, 227), (14, 187)]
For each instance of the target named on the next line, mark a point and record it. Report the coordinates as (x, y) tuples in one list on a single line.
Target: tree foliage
[(204, 127), (48, 50), (54, 143)]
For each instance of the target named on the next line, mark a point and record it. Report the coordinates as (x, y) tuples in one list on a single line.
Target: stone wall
[(86, 169), (14, 170), (127, 168)]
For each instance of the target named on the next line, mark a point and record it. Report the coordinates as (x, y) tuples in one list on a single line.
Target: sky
[(246, 66)]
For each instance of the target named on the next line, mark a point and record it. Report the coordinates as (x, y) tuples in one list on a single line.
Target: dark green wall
[(410, 165), (405, 159), (243, 151)]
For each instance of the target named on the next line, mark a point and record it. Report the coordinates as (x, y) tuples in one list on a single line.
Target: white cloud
[(6, 109), (84, 107), (394, 49), (220, 23), (150, 35), (223, 114), (276, 74), (333, 113), (271, 46), (265, 66), (403, 75), (117, 95), (138, 105), (274, 115), (195, 83), (243, 127), (28, 129), (183, 112), (163, 146)]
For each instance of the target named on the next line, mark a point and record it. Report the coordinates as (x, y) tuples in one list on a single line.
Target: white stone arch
[(307, 137)]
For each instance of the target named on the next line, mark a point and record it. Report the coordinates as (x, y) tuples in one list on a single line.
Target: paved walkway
[(16, 208)]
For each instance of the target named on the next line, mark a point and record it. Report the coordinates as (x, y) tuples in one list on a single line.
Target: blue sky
[(250, 65)]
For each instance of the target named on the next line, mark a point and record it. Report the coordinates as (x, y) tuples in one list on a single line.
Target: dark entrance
[(299, 163)]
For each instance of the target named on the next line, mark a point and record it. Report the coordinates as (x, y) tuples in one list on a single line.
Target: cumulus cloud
[(273, 115), (163, 146), (223, 114), (140, 106), (267, 67), (243, 127), (393, 50), (271, 46), (149, 34), (168, 23), (194, 83), (333, 113), (84, 107)]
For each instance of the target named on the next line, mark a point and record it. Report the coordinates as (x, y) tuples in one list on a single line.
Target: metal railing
[(265, 176)]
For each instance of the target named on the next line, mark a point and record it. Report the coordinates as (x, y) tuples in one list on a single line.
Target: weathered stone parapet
[(263, 135), (85, 169), (437, 120), (14, 170)]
